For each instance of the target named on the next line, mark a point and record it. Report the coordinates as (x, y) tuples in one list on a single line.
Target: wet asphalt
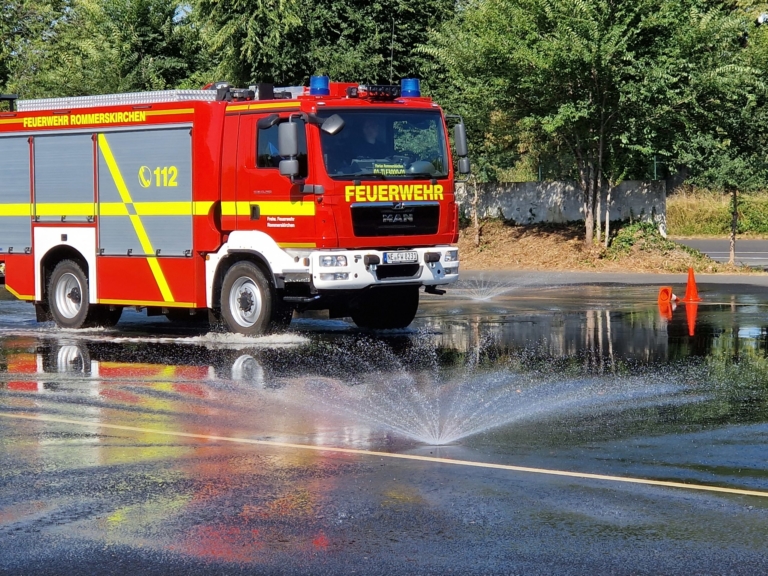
[(157, 448)]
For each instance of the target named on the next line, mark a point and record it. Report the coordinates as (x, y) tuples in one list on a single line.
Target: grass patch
[(700, 212)]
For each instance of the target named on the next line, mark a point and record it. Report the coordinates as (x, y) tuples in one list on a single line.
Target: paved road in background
[(749, 252)]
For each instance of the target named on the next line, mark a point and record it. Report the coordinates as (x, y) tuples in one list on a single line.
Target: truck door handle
[(255, 212), (313, 189)]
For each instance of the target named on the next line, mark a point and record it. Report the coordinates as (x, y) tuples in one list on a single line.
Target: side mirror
[(464, 165), (333, 124), (289, 167), (288, 147), (288, 139), (460, 136)]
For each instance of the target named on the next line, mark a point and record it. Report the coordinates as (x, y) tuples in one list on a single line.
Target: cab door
[(267, 201)]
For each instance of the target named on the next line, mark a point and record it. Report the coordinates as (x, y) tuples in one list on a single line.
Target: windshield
[(386, 145)]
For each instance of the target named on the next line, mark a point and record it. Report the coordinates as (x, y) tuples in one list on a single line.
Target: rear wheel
[(247, 300), (386, 308), (68, 295)]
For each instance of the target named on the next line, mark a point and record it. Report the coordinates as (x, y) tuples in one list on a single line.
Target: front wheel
[(386, 308), (246, 300)]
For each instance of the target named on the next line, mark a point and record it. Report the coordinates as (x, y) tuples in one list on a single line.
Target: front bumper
[(357, 274)]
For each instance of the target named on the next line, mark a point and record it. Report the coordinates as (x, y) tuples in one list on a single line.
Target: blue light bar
[(319, 86), (409, 88)]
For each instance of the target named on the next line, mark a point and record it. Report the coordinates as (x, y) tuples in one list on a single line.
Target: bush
[(643, 236)]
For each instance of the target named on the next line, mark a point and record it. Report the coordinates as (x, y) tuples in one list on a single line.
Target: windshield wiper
[(425, 176)]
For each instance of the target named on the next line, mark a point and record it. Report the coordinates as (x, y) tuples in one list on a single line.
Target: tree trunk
[(608, 214), (734, 224), (475, 219), (589, 203), (598, 210)]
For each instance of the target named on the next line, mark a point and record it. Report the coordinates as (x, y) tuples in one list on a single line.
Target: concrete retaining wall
[(534, 202)]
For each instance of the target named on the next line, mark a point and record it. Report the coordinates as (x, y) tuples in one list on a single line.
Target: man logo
[(145, 177), (397, 219)]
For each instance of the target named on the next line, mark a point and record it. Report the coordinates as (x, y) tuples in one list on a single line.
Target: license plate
[(400, 257)]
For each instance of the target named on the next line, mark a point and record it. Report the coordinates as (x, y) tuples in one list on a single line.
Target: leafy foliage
[(286, 41), (595, 91), (107, 46), (607, 84), (642, 236), (26, 28)]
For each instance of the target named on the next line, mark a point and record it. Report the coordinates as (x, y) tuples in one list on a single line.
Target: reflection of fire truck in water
[(237, 205)]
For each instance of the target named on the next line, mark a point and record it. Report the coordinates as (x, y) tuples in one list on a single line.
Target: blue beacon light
[(409, 88), (319, 86)]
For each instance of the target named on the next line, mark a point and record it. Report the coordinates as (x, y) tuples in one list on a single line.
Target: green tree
[(727, 123), (26, 27), (109, 46), (611, 82), (286, 41)]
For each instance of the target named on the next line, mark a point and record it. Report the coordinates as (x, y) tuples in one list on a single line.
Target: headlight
[(327, 261), (335, 276), (451, 256)]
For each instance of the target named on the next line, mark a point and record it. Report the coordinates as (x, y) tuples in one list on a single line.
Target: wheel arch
[(233, 258)]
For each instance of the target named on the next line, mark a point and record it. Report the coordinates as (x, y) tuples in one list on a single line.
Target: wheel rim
[(69, 295), (245, 302), (70, 359)]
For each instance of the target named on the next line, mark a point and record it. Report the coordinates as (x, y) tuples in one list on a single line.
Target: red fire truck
[(240, 205)]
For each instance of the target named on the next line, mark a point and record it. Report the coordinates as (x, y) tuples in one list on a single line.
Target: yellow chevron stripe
[(156, 208), (170, 112), (274, 208), (125, 196), (201, 208), (68, 209), (274, 105), (271, 105), (108, 209), (147, 303), (19, 296), (297, 244), (16, 210), (165, 290)]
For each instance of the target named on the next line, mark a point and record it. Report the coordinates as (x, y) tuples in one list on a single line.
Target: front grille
[(386, 220), (397, 271)]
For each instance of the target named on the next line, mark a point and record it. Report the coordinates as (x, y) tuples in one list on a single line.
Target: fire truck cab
[(233, 205)]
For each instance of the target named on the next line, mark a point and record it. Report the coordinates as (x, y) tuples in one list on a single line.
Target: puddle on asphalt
[(594, 379), (487, 358)]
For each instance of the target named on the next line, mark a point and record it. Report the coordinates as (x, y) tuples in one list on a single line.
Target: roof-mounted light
[(378, 91), (319, 86), (409, 88)]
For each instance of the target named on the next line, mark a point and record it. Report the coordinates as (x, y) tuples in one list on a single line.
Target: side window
[(267, 152)]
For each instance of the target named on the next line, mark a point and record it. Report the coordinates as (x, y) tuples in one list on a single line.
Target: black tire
[(68, 295), (386, 308), (247, 300)]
